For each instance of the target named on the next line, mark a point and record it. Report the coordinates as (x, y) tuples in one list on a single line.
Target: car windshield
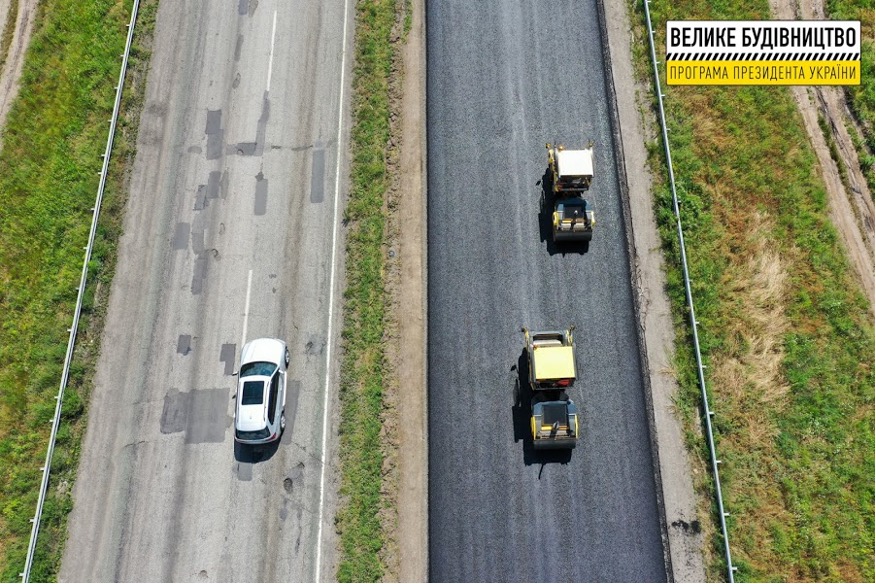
[(255, 435), (253, 393), (258, 368)]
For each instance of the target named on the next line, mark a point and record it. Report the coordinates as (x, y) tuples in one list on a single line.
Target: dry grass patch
[(748, 375)]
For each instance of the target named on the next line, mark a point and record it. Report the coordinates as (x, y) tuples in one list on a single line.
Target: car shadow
[(255, 454), (545, 221), (521, 414)]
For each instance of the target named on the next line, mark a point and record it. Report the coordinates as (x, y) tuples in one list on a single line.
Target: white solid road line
[(246, 309), (328, 353), (271, 56)]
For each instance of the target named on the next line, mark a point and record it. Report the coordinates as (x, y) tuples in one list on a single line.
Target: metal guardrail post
[(25, 575), (689, 296)]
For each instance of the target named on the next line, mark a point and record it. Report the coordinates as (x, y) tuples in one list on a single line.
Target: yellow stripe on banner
[(763, 72)]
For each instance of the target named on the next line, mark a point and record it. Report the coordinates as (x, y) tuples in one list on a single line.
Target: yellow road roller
[(552, 373)]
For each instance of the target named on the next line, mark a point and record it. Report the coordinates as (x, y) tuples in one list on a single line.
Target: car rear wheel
[(282, 421)]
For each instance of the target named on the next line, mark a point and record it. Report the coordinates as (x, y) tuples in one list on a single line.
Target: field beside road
[(53, 138), (786, 331)]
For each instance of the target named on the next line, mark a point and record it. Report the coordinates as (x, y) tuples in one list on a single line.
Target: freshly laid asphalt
[(504, 78)]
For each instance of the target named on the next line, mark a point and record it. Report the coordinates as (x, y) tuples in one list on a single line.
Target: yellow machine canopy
[(553, 362)]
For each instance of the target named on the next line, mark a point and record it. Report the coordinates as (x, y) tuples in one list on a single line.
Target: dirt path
[(413, 511), (406, 466), (13, 60), (851, 209)]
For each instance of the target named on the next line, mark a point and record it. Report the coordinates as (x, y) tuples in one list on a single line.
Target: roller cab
[(571, 172), (552, 373)]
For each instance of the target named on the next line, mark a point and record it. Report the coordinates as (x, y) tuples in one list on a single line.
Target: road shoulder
[(407, 421)]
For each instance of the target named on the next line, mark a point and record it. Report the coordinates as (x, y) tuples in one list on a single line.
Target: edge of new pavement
[(676, 499)]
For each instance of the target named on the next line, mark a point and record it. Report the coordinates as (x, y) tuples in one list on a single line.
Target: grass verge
[(53, 139), (364, 367), (786, 334)]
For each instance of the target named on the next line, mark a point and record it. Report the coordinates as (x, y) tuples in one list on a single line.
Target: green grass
[(53, 140), (786, 334), (363, 368)]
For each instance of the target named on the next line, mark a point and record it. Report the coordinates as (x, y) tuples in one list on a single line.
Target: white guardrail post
[(25, 575), (708, 413)]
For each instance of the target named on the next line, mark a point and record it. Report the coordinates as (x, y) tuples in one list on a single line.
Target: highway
[(230, 235), (504, 78)]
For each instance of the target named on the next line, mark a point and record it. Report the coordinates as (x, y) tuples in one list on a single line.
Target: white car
[(260, 412)]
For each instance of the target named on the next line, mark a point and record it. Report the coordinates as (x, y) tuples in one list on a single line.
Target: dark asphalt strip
[(502, 80)]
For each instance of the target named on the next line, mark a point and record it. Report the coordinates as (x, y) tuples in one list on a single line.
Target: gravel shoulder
[(405, 470), (413, 510)]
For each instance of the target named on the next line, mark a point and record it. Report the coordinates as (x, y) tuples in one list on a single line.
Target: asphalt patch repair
[(201, 414)]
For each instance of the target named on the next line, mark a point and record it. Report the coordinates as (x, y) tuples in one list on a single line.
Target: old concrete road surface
[(503, 79), (228, 237)]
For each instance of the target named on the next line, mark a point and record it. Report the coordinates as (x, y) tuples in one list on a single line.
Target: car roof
[(252, 417)]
